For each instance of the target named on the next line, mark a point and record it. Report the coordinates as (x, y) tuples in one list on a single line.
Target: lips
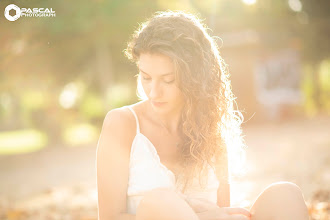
[(158, 103)]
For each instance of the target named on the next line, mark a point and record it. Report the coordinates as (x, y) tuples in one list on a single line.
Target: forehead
[(155, 64)]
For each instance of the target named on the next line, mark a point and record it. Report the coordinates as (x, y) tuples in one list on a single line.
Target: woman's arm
[(223, 192), (112, 164), (125, 216), (206, 210)]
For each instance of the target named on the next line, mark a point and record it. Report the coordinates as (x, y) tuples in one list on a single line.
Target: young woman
[(165, 157)]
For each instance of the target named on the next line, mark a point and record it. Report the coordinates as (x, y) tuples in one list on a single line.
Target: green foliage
[(22, 141), (325, 76), (309, 88), (92, 106), (324, 80), (80, 134), (119, 95), (308, 91)]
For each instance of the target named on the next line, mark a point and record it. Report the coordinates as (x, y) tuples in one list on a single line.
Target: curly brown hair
[(209, 124)]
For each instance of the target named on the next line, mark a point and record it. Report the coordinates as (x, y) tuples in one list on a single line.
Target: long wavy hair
[(209, 126)]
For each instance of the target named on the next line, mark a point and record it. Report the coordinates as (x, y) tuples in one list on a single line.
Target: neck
[(169, 120)]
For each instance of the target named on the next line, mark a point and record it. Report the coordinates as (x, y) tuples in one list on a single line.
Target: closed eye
[(170, 82), (167, 82)]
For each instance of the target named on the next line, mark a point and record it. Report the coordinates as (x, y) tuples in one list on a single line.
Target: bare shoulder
[(118, 130), (122, 117)]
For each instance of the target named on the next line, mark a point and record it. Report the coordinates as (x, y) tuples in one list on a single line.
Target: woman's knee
[(283, 188), (279, 196)]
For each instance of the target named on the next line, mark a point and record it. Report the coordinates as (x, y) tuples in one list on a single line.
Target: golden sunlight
[(249, 2), (295, 5)]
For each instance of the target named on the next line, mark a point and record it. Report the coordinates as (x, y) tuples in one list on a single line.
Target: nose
[(155, 91)]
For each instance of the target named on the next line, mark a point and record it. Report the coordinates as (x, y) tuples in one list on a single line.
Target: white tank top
[(146, 172)]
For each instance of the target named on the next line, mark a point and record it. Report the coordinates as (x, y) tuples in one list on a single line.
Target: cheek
[(146, 86), (177, 94)]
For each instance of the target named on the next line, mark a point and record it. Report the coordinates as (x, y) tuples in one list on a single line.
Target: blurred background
[(59, 76)]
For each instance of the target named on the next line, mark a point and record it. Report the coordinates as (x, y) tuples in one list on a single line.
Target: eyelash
[(147, 79)]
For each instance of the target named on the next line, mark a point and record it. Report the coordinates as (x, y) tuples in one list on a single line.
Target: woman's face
[(159, 83)]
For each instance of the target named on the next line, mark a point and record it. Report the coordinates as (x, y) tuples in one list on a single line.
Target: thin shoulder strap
[(136, 118)]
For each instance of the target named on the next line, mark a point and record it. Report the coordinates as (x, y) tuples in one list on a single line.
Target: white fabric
[(146, 172)]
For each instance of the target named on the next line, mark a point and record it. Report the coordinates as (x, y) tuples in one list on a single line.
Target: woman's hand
[(206, 210), (200, 205), (225, 213)]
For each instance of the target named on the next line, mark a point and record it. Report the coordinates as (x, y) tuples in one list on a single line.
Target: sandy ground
[(297, 151)]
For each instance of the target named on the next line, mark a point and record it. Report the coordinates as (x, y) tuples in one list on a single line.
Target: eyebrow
[(171, 73)]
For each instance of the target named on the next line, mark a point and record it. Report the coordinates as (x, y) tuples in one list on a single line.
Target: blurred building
[(265, 80)]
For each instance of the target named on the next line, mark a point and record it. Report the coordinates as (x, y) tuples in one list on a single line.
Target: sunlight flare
[(249, 2), (295, 5)]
